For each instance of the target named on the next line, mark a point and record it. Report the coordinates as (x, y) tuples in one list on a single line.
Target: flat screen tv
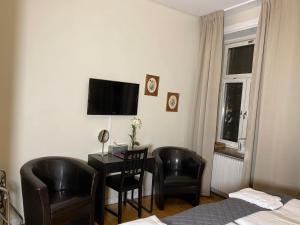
[(112, 98)]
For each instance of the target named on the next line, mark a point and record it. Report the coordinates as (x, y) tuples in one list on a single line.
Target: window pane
[(240, 59), (232, 108)]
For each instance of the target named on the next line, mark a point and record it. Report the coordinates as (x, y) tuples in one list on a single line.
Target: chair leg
[(120, 208), (140, 190)]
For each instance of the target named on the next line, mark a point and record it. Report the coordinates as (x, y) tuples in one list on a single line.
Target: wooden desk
[(111, 164)]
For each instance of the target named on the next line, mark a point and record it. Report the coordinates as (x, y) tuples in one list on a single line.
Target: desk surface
[(110, 158), (98, 162)]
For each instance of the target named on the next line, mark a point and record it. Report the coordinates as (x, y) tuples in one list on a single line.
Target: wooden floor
[(172, 207)]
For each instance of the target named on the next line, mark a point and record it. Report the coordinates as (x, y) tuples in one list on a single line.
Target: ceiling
[(200, 7)]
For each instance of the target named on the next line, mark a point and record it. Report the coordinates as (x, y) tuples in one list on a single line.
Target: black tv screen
[(112, 98)]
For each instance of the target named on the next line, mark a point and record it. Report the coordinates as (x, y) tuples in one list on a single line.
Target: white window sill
[(231, 152)]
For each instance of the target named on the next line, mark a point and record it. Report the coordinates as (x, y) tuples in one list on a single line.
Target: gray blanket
[(219, 213)]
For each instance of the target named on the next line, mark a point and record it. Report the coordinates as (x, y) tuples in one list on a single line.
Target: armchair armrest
[(201, 165), (35, 198), (158, 173), (32, 180), (193, 165), (159, 167), (88, 177)]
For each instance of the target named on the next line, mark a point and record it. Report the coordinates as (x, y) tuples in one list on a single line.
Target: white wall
[(7, 34), (58, 45)]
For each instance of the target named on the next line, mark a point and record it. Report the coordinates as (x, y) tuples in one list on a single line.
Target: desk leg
[(100, 200), (152, 193)]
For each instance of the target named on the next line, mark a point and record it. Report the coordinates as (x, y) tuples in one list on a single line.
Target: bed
[(219, 213)]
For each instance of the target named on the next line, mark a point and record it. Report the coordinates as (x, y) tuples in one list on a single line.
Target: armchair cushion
[(70, 205), (62, 201), (175, 178)]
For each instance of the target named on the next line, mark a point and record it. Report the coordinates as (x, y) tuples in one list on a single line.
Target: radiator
[(226, 175)]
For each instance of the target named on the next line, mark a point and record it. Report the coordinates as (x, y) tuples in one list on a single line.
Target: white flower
[(136, 122)]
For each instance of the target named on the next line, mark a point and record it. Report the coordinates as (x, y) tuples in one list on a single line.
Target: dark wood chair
[(129, 179)]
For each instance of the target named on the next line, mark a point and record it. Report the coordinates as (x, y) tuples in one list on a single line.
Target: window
[(234, 94)]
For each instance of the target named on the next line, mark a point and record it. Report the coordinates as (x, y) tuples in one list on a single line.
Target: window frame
[(243, 109), (244, 78)]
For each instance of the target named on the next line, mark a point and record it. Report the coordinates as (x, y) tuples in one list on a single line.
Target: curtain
[(204, 131), (254, 100), (274, 124)]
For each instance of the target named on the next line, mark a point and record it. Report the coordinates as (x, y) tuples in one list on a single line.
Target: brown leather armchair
[(58, 191), (178, 172)]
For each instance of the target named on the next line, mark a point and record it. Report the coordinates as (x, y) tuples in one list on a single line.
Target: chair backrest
[(174, 158), (134, 165), (58, 173)]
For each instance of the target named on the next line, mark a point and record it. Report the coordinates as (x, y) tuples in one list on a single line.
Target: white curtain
[(274, 122), (204, 132)]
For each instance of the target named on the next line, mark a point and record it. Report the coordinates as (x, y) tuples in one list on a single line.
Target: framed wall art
[(172, 102), (152, 84)]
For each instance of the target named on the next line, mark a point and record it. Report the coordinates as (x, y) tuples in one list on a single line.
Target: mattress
[(219, 213)]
